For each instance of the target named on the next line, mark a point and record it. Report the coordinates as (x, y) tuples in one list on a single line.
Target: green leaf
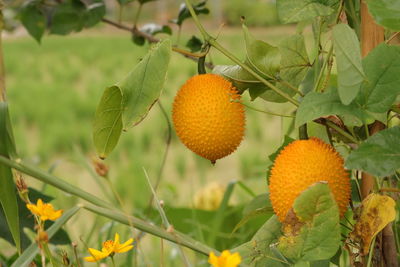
[(316, 105), (33, 19), (298, 10), (142, 87), (74, 15), (349, 66), (107, 126), (194, 44), (184, 13), (313, 230), (8, 194), (241, 79), (382, 68), (68, 17), (379, 155), (294, 64), (258, 251), (260, 205), (29, 254), (261, 56), (385, 13), (94, 13)]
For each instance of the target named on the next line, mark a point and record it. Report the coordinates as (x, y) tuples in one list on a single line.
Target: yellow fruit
[(207, 116), (301, 164)]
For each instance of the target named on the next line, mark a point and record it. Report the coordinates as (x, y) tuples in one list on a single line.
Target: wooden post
[(371, 36)]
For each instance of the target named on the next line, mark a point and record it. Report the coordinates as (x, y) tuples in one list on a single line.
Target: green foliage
[(349, 66), (260, 205), (294, 63), (385, 13), (184, 13), (8, 196), (33, 19), (142, 87), (258, 251), (194, 44), (107, 125), (241, 79), (379, 155), (128, 102), (299, 10), (381, 67), (314, 231), (316, 105), (261, 56)]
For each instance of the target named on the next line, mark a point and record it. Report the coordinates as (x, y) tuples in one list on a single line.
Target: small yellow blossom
[(44, 210), (109, 248), (225, 260)]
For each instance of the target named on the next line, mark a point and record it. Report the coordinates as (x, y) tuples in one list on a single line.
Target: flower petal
[(127, 243), (213, 260), (123, 249), (97, 254), (90, 259), (116, 239), (234, 260)]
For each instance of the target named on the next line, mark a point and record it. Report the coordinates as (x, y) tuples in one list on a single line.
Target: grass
[(53, 90)]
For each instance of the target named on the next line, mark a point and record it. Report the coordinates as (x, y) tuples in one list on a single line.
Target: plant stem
[(216, 226), (213, 42), (266, 112), (47, 251), (112, 261), (341, 131), (216, 45), (54, 181), (321, 73), (176, 237), (135, 21), (303, 132), (371, 252)]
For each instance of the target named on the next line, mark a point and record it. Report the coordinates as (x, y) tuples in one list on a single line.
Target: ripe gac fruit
[(301, 164), (208, 118)]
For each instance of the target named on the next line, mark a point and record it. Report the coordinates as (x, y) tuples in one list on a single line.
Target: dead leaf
[(376, 212)]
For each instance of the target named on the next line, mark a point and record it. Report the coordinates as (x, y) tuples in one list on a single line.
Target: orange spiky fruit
[(301, 164), (207, 115)]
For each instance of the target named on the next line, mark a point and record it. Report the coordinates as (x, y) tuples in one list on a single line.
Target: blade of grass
[(29, 254), (216, 226)]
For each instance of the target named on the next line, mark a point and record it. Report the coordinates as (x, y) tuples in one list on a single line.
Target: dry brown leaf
[(376, 212)]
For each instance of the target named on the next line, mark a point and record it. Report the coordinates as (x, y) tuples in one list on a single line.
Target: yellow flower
[(44, 210), (109, 248), (225, 260)]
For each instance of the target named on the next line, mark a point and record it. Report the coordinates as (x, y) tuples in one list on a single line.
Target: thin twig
[(392, 37), (151, 39)]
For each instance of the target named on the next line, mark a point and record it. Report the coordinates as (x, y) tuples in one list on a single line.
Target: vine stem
[(341, 131), (264, 111), (105, 209), (213, 42)]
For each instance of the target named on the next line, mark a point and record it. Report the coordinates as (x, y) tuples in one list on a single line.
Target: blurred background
[(54, 87)]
